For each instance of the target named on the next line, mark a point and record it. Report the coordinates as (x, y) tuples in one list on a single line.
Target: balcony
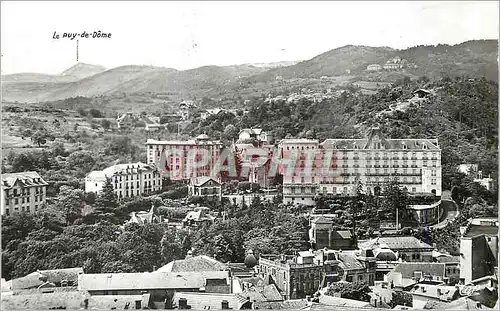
[(404, 157), (395, 165), (345, 165), (385, 165), (434, 158), (376, 165), (385, 158), (414, 165), (345, 158), (425, 158), (395, 158), (356, 165), (376, 158), (404, 165), (356, 158), (413, 158), (368, 165), (368, 158)]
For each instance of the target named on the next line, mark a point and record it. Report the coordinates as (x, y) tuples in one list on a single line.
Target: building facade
[(334, 166), (184, 159), (22, 192), (478, 249), (129, 180), (205, 187)]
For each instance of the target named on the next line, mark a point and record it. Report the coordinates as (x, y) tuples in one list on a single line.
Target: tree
[(96, 113), (70, 202), (106, 124), (230, 132), (40, 137), (355, 290), (396, 199), (82, 159)]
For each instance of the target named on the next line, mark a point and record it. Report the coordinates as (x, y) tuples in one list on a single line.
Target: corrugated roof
[(146, 280)]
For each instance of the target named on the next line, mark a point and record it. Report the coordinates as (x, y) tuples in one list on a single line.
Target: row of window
[(24, 191), (23, 209), (119, 178), (16, 201)]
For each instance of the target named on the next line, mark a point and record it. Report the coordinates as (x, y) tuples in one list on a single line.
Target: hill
[(82, 70), (475, 58), (125, 79)]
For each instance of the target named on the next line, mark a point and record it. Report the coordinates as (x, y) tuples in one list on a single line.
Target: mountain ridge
[(477, 58)]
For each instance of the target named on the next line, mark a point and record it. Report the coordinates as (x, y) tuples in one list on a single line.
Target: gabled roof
[(475, 230), (194, 264), (202, 180), (26, 179), (155, 280), (407, 269)]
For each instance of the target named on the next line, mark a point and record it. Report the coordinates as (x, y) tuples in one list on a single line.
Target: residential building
[(478, 249), (22, 192), (128, 180), (257, 134), (205, 186), (407, 274), (184, 159), (334, 166), (415, 163), (425, 293), (347, 266), (300, 183), (452, 267), (374, 67), (322, 235), (407, 248), (144, 217), (197, 217), (486, 182), (126, 120), (294, 276)]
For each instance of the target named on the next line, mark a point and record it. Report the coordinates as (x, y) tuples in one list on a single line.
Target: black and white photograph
[(244, 155)]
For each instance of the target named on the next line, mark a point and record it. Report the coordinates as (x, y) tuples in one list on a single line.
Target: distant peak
[(83, 70)]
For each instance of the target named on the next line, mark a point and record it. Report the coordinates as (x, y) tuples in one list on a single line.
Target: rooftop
[(407, 269), (194, 264), (26, 179), (396, 243), (155, 280), (200, 181)]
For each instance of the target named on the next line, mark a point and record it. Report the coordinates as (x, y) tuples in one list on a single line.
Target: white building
[(129, 180), (178, 162), (258, 134), (374, 67), (336, 164), (22, 192)]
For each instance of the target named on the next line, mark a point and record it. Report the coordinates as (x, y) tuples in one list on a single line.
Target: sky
[(186, 35)]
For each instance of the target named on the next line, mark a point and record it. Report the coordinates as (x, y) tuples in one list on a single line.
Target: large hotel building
[(335, 164), (178, 162)]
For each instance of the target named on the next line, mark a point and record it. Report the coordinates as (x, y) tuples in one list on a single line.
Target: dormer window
[(424, 146), (405, 146)]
